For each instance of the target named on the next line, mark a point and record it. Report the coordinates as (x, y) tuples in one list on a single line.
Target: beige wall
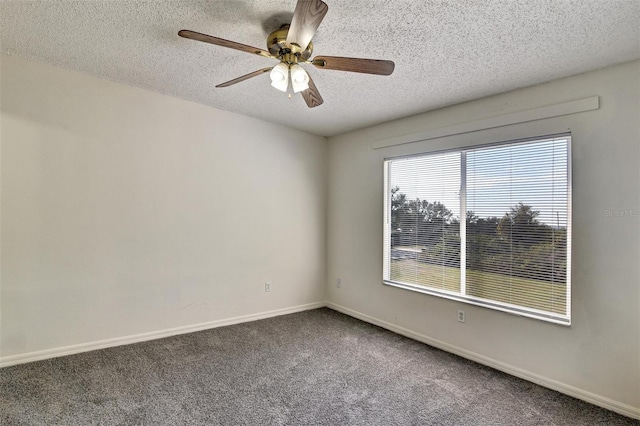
[(126, 211), (600, 353)]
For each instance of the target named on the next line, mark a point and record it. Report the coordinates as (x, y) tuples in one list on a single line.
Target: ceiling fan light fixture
[(292, 44), (280, 77), (299, 78)]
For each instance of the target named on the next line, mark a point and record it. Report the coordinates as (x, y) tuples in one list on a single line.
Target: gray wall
[(598, 357), (126, 212)]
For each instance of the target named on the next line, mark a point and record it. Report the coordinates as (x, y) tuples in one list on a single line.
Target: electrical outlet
[(461, 316), (338, 283), (267, 286)]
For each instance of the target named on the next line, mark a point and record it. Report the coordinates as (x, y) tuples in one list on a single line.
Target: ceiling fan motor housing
[(278, 47)]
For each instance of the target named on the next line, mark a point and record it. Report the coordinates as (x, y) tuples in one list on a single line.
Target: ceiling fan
[(291, 45)]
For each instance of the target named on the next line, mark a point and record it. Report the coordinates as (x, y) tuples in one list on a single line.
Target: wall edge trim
[(592, 398), (40, 355)]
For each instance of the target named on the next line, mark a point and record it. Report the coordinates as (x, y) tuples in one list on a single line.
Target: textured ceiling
[(446, 51)]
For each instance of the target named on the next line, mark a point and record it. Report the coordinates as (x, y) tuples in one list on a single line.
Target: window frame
[(461, 297)]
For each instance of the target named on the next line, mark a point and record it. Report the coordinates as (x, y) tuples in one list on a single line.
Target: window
[(487, 225)]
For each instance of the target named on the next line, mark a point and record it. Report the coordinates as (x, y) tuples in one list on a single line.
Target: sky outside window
[(498, 178)]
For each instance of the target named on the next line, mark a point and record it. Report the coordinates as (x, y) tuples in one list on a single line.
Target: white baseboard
[(601, 401), (159, 334)]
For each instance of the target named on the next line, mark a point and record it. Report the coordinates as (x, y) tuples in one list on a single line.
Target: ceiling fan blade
[(366, 66), (312, 96), (244, 77), (224, 43), (306, 20)]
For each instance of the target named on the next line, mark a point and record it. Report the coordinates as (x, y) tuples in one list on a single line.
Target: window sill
[(503, 307)]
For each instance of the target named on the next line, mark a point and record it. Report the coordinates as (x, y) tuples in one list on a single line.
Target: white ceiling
[(446, 51)]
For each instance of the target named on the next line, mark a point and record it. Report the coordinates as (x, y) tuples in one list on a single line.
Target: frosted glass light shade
[(299, 78), (280, 77)]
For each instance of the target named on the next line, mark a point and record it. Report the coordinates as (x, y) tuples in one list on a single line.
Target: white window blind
[(486, 225)]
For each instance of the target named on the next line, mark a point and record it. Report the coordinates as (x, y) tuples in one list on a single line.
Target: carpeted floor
[(311, 368)]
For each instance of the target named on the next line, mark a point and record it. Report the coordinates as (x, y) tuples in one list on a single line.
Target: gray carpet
[(311, 368)]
